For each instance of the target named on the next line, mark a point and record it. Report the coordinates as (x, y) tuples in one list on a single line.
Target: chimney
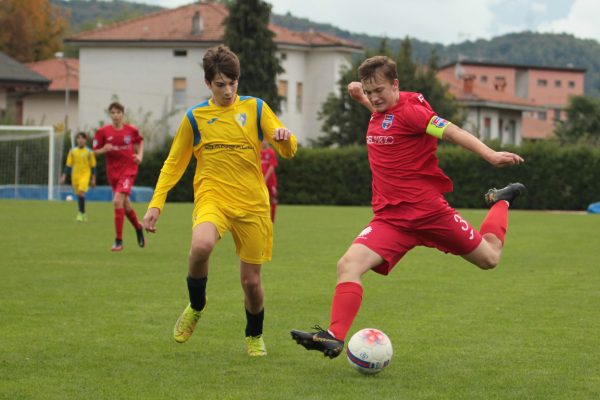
[(197, 24), (468, 83)]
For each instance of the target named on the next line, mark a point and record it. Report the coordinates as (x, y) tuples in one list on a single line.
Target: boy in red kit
[(408, 202), (268, 162), (123, 148)]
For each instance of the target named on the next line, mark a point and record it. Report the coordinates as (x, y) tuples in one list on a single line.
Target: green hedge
[(557, 178)]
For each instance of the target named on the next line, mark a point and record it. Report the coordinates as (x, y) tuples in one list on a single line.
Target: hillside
[(543, 49)]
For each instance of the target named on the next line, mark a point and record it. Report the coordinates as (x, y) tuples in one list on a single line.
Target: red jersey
[(119, 161), (268, 159), (402, 155)]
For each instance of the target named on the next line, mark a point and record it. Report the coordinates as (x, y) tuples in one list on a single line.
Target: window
[(542, 115), (557, 112), (500, 83), (571, 84), (557, 83), (179, 92), (483, 78), (282, 91), (283, 56), (542, 82), (299, 90), (180, 53)]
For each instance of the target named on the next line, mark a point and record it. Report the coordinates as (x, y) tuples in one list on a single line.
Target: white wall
[(323, 70), (48, 109), (142, 79)]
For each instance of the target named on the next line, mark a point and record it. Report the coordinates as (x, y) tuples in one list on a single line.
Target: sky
[(442, 21)]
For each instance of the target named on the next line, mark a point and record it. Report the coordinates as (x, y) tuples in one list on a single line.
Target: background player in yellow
[(225, 133), (81, 165)]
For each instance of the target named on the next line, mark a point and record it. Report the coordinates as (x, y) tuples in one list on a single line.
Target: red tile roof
[(56, 71), (175, 25)]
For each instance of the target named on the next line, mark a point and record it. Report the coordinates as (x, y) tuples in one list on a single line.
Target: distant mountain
[(541, 49)]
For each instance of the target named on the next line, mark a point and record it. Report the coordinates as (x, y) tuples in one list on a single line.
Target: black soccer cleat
[(140, 237), (508, 193), (321, 340)]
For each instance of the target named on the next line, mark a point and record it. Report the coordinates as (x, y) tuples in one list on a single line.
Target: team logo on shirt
[(127, 139), (210, 121), (439, 122), (388, 119), (241, 119)]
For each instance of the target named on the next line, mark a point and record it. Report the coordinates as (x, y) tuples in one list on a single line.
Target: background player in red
[(122, 145), (268, 162), (407, 197)]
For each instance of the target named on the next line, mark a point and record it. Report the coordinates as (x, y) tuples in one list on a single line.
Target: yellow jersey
[(226, 142), (81, 162)]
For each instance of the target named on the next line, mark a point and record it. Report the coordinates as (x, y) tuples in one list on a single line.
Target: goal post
[(30, 161)]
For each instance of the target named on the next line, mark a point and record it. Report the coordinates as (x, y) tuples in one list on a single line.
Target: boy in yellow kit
[(225, 133), (81, 165)]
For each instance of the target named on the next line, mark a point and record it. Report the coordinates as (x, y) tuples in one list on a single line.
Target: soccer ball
[(69, 198), (369, 351)]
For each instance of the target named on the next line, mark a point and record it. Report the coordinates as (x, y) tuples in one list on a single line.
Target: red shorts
[(432, 223), (123, 184)]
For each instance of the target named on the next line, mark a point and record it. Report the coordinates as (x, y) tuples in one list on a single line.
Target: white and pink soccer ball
[(369, 351)]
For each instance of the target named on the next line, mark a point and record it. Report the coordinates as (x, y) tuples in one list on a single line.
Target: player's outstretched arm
[(355, 91), (499, 159), (149, 221)]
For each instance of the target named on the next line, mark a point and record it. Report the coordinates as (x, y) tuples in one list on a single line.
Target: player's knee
[(201, 249), (346, 267), (251, 283)]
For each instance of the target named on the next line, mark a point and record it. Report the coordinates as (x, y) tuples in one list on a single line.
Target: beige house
[(57, 106), (16, 83), (152, 64)]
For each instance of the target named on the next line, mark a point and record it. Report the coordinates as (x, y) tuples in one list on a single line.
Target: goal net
[(30, 162)]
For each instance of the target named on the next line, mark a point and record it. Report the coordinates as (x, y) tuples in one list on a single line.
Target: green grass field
[(79, 322)]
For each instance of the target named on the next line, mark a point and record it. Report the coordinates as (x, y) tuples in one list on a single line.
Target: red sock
[(496, 221), (119, 217), (346, 303), (132, 217)]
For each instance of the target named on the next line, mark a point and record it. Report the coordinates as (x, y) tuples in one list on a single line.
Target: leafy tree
[(583, 122), (248, 35), (32, 30)]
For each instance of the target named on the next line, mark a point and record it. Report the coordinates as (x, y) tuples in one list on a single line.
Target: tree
[(247, 34), (32, 30), (583, 122)]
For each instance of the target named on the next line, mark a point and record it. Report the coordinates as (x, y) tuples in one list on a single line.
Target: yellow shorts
[(80, 183), (252, 234)]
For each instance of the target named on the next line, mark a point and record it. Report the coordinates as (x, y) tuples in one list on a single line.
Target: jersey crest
[(241, 119), (388, 119), (127, 139)]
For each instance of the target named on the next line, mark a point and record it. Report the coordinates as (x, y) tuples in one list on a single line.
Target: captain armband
[(436, 126)]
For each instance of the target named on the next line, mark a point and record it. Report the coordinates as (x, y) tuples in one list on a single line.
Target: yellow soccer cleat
[(256, 346), (186, 323), (80, 217)]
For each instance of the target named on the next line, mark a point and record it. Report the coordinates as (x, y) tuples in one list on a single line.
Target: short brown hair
[(220, 60), (81, 134), (373, 66), (117, 105)]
